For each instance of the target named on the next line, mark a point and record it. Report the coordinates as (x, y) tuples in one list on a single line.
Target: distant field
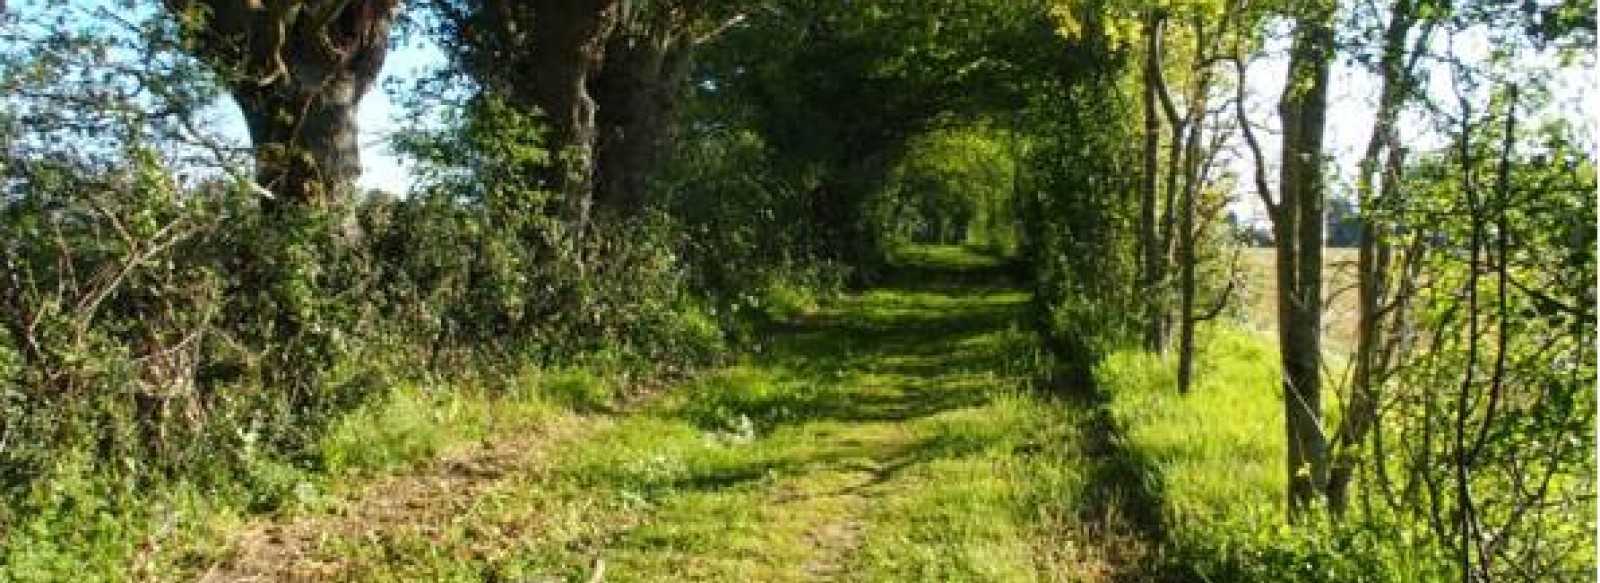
[(1339, 293)]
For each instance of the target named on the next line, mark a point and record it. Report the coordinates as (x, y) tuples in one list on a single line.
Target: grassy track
[(884, 437)]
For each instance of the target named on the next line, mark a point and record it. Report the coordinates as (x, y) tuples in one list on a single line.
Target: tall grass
[(1221, 446), (1216, 456)]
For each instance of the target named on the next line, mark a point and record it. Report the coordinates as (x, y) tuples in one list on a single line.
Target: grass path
[(881, 438)]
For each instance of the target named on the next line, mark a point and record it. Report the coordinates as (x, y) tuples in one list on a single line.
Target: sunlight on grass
[(954, 257), (963, 515), (417, 422), (1221, 446), (880, 444)]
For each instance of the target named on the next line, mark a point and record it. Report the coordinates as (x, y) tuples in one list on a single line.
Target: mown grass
[(419, 422), (889, 435)]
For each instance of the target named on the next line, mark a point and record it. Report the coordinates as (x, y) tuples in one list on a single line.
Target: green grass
[(420, 422), (1219, 447), (887, 435), (878, 443), (945, 258), (87, 533)]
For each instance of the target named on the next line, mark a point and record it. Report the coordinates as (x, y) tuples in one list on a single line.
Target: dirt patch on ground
[(835, 542), (421, 501)]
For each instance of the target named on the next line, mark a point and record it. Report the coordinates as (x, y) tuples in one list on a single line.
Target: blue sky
[(377, 115)]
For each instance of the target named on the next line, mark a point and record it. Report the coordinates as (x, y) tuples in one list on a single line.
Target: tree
[(1297, 227), (1152, 256), (1188, 164), (540, 55), (298, 69), (638, 91), (1297, 222), (1376, 187), (1172, 218)]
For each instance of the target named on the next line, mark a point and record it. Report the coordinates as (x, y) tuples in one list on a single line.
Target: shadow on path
[(1124, 497)]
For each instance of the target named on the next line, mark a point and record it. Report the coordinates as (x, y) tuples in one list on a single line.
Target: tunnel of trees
[(654, 188)]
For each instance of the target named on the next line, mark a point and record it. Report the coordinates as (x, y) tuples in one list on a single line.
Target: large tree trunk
[(541, 55), (569, 39), (298, 69), (308, 158), (637, 92), (1299, 228)]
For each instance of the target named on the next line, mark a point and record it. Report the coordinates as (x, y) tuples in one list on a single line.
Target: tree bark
[(1152, 269), (297, 69), (568, 47), (1178, 126), (637, 92), (310, 157), (541, 55), (1188, 255), (1299, 227)]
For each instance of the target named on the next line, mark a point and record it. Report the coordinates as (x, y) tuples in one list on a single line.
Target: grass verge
[(1219, 455)]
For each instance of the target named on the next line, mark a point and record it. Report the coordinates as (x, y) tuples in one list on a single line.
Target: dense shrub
[(155, 335), (158, 332), (745, 249), (480, 262), (1079, 234)]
